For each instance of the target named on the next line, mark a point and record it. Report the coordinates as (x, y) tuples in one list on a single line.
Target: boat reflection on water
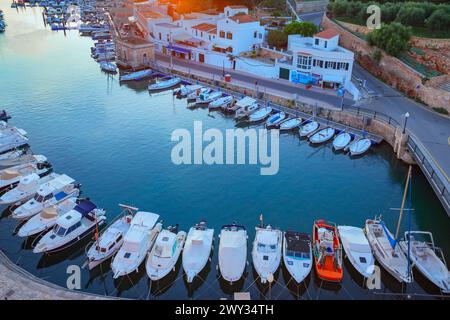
[(298, 291)]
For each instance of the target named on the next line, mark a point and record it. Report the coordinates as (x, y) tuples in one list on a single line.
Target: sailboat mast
[(403, 202)]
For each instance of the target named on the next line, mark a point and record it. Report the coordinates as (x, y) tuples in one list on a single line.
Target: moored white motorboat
[(341, 140), (245, 102), (110, 241), (290, 124), (47, 218), (308, 128), (16, 157), (137, 242), (10, 177), (387, 251), (50, 193), (275, 119), (245, 111), (197, 250), (108, 66), (427, 258), (359, 146), (297, 254), (9, 142), (26, 189), (232, 252), (137, 75), (205, 98), (194, 95), (322, 136), (357, 249), (266, 253), (260, 114), (165, 253), (72, 227), (161, 85), (221, 103), (186, 90)]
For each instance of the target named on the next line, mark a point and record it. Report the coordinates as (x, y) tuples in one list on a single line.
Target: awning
[(178, 49), (221, 46), (333, 78)]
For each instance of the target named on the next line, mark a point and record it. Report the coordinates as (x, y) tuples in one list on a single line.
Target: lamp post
[(406, 115)]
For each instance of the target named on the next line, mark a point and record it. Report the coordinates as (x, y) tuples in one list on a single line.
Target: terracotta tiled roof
[(327, 34), (243, 18), (213, 31), (204, 27)]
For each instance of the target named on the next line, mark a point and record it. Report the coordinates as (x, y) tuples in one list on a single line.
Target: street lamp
[(406, 115)]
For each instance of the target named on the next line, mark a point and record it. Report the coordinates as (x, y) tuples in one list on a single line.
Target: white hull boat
[(266, 253), (290, 124), (232, 252), (165, 253), (275, 119), (110, 241), (245, 102), (186, 90), (297, 255), (16, 157), (205, 98), (322, 136), (137, 242), (49, 194), (308, 128), (10, 177), (108, 67), (221, 103), (386, 250), (47, 218), (72, 227), (357, 249), (26, 189), (244, 112), (341, 141), (260, 114), (359, 146), (138, 75), (197, 250), (12, 141), (161, 85), (427, 258), (193, 96)]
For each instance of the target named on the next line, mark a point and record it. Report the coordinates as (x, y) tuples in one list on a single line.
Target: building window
[(201, 34), (222, 34), (304, 62), (255, 34), (260, 36), (160, 37), (229, 35), (326, 64), (314, 62), (230, 49), (326, 43), (316, 42), (346, 66)]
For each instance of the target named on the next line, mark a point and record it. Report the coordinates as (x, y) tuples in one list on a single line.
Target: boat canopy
[(246, 101), (233, 239), (135, 238), (49, 213), (146, 219), (297, 241), (9, 174), (84, 207), (267, 237)]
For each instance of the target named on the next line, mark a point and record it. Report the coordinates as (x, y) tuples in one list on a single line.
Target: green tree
[(306, 28), (439, 20), (411, 16), (393, 38), (389, 12), (277, 38)]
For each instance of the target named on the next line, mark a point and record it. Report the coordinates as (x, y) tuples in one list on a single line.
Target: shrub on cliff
[(277, 38), (439, 20), (393, 38), (411, 16), (306, 28)]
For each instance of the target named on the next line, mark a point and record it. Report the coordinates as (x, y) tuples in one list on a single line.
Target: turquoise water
[(115, 140)]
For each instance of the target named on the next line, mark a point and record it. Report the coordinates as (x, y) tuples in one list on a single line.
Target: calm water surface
[(115, 140)]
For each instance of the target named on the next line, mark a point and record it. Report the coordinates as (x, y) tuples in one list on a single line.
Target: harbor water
[(115, 140)]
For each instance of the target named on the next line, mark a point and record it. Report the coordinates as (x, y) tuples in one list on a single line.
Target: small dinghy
[(427, 258), (161, 85), (275, 119), (297, 254), (10, 177), (290, 124), (165, 253), (308, 128), (49, 194), (221, 103), (72, 227), (26, 189), (138, 75), (108, 67), (260, 114), (360, 146), (341, 141), (266, 253), (357, 249), (322, 136), (111, 239), (47, 218), (232, 252), (387, 251), (327, 251), (197, 250), (138, 240)]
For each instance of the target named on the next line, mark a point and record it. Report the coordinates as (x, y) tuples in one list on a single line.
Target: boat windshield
[(60, 231), (41, 198), (297, 254), (266, 248)]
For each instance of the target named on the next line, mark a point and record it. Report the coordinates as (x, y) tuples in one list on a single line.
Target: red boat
[(327, 251)]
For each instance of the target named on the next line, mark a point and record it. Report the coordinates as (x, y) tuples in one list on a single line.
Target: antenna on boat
[(403, 202)]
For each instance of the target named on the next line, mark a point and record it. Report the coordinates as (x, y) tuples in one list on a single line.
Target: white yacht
[(357, 249), (10, 177), (26, 189), (297, 254), (51, 193), (138, 241), (243, 103), (232, 252), (197, 250), (47, 218), (165, 253), (266, 253), (12, 141), (111, 239), (15, 157), (72, 227)]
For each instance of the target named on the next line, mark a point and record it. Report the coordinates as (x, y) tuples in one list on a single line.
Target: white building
[(318, 60)]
